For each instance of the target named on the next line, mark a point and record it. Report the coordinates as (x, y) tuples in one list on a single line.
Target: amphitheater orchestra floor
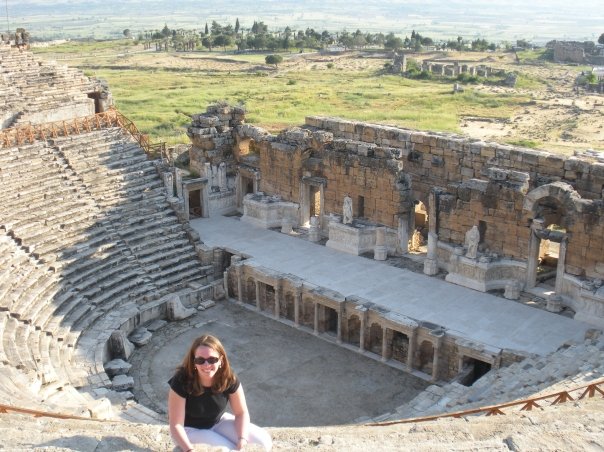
[(478, 316)]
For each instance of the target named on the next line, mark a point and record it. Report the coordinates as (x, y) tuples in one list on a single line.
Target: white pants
[(223, 434)]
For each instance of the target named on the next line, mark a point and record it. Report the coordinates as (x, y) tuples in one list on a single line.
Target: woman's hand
[(241, 444)]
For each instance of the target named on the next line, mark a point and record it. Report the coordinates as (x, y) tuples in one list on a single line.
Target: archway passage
[(354, 331), (418, 239), (250, 292), (472, 370), (287, 307), (195, 204), (426, 357), (329, 321), (374, 339), (549, 255), (400, 347), (552, 208), (546, 256)]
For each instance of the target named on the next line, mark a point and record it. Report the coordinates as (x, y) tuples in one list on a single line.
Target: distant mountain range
[(497, 20)]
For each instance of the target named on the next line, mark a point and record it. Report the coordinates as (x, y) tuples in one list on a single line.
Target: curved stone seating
[(87, 239), (42, 91)]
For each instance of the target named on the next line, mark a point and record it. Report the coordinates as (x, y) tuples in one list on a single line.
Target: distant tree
[(216, 28), (223, 41), (523, 43), (207, 30), (127, 33), (346, 40), (273, 59), (393, 42), (165, 32), (208, 42), (601, 39), (237, 25)]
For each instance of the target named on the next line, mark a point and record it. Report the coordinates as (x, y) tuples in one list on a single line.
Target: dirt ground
[(559, 118)]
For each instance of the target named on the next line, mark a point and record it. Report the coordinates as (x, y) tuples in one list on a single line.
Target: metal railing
[(588, 391), (29, 134), (557, 398)]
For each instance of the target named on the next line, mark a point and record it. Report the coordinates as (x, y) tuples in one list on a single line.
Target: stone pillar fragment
[(380, 253)]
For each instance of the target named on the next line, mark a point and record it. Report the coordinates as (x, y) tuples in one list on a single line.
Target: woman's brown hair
[(224, 376)]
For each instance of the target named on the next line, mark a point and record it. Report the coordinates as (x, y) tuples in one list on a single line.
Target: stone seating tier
[(75, 265)]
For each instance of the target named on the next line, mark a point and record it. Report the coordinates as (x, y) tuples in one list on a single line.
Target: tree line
[(259, 38)]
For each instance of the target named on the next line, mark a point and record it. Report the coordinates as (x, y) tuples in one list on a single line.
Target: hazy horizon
[(538, 21)]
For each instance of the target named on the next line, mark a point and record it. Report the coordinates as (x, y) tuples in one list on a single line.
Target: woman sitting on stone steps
[(197, 400)]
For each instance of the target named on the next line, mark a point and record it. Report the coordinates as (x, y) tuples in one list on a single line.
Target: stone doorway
[(426, 357), (374, 339), (550, 206), (312, 195), (400, 347), (195, 204), (472, 370), (328, 320), (418, 239), (354, 331), (287, 307)]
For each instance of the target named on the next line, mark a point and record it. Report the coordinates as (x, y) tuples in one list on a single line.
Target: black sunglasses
[(201, 360)]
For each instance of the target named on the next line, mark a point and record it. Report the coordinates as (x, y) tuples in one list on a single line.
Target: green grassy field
[(160, 100)]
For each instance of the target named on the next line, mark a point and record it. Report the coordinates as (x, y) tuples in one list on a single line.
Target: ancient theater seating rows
[(31, 88), (87, 237)]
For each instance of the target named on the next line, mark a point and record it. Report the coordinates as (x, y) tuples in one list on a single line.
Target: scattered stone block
[(117, 367), (206, 305), (175, 309), (140, 336), (156, 325), (122, 383), (120, 346)]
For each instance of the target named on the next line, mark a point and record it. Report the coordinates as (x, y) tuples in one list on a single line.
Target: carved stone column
[(380, 253), (278, 293), (431, 262), (340, 317), (225, 283), (363, 315), (436, 356), (533, 253), (258, 295), (316, 323), (297, 303), (403, 234), (385, 344), (239, 273), (560, 267), (411, 350)]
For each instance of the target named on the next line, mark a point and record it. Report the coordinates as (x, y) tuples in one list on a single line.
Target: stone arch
[(552, 209), (307, 314), (354, 330), (426, 357), (559, 193), (287, 306), (250, 291), (267, 298), (400, 347), (373, 341)]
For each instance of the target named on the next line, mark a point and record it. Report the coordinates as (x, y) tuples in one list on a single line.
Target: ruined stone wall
[(361, 172), (436, 160), (281, 168)]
